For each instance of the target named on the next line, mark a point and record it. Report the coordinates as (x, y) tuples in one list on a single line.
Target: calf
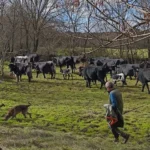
[(16, 110), (66, 73), (119, 77)]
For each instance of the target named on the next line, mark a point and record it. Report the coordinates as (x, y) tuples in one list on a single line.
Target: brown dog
[(16, 110)]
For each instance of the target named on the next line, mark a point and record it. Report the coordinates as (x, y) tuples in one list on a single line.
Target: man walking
[(115, 98)]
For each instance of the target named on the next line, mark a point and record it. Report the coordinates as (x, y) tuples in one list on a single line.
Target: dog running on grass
[(16, 110)]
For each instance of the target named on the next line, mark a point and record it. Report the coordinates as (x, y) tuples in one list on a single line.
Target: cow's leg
[(106, 78), (130, 77), (64, 76), (137, 80), (94, 81), (102, 83), (125, 83), (54, 74), (122, 83), (29, 78), (87, 83), (24, 114), (37, 74), (29, 114), (148, 88), (143, 86), (72, 68), (17, 78), (20, 77), (60, 67), (44, 75), (110, 75), (51, 75)]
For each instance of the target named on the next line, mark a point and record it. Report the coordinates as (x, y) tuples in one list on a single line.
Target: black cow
[(21, 68), (64, 61), (80, 58), (111, 63), (96, 62), (145, 64), (93, 73), (144, 77), (70, 63), (33, 58), (45, 68)]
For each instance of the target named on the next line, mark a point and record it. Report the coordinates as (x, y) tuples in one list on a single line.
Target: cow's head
[(55, 60), (106, 68), (99, 63), (12, 60), (12, 67)]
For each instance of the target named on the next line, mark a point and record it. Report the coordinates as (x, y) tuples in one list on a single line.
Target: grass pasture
[(68, 116)]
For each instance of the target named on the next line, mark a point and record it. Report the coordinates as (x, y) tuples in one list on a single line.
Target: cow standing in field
[(33, 58), (144, 77), (64, 61), (45, 68), (21, 68), (93, 73)]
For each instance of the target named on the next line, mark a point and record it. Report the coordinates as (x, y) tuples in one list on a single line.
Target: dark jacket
[(116, 101)]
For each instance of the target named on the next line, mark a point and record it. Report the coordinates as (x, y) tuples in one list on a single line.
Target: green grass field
[(68, 116)]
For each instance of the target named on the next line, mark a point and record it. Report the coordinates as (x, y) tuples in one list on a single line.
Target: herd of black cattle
[(94, 69)]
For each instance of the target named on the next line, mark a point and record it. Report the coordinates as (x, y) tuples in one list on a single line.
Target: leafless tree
[(4, 35)]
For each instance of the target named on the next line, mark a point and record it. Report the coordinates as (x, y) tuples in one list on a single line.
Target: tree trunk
[(27, 39), (36, 44), (148, 43), (2, 67)]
